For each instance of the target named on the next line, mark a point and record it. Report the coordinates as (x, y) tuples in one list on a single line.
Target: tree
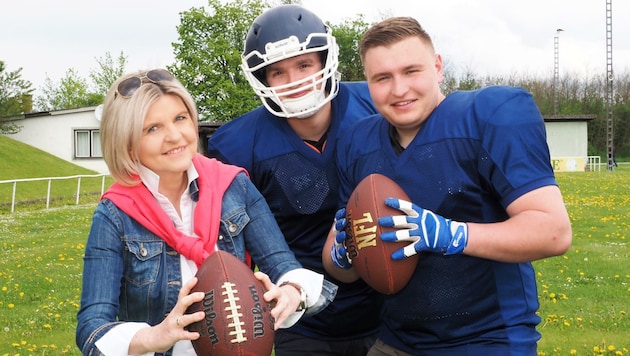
[(15, 98), (208, 57), (71, 92), (348, 35), (108, 72)]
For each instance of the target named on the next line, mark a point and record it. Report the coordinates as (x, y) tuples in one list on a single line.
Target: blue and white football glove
[(338, 253), (426, 230)]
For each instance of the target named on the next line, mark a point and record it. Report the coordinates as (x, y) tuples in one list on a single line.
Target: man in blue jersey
[(484, 201), (288, 146)]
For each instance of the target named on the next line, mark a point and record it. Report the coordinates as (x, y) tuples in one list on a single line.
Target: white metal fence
[(50, 180), (594, 163)]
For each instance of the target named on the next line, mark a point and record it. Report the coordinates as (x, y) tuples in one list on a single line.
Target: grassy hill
[(19, 160)]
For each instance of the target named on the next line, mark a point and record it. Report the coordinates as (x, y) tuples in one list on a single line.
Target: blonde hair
[(123, 118), (391, 31)]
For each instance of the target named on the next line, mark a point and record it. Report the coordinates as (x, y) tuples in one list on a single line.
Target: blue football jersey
[(301, 188), (475, 154)]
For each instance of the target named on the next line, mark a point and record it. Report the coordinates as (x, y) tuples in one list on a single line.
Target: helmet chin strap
[(304, 106)]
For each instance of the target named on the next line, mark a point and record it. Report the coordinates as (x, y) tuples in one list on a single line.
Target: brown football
[(371, 257), (238, 320)]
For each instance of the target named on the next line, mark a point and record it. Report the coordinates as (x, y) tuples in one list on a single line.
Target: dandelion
[(611, 348), (11, 305), (578, 321)]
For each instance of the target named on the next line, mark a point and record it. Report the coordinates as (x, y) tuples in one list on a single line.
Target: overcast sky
[(46, 38)]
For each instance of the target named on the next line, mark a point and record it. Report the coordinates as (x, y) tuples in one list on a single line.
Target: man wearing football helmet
[(288, 147)]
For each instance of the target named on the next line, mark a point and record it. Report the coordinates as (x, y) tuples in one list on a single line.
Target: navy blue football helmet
[(283, 32)]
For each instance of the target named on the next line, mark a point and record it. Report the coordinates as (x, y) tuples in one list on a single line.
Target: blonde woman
[(169, 209)]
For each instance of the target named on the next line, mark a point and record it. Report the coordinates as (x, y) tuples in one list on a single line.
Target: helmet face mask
[(285, 32)]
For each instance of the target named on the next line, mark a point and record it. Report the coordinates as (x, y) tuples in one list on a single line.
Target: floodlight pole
[(556, 69), (609, 89)]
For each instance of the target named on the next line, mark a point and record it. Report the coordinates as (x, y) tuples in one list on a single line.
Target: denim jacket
[(130, 274)]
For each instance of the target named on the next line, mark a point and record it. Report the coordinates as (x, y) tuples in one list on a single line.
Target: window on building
[(87, 143)]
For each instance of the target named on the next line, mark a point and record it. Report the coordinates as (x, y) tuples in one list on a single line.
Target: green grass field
[(20, 161), (584, 295)]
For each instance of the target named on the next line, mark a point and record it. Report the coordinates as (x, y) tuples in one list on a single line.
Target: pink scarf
[(214, 179)]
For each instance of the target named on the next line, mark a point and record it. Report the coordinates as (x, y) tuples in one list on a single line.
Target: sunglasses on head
[(127, 87)]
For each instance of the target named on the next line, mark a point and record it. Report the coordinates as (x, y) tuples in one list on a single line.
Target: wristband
[(302, 305)]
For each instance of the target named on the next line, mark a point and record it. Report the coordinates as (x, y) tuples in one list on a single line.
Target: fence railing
[(15, 182), (593, 164)]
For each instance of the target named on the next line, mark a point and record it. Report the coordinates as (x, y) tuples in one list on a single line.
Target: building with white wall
[(72, 135), (567, 137)]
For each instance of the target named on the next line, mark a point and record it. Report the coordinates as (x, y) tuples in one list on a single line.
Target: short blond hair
[(122, 121), (391, 31)]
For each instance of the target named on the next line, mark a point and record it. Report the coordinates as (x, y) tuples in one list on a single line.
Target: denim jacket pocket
[(142, 259), (235, 222), (231, 235)]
